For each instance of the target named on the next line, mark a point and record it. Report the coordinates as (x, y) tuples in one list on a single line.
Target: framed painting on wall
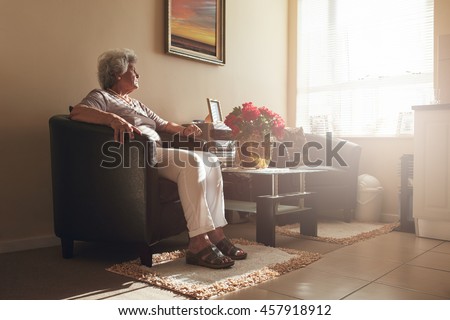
[(196, 29)]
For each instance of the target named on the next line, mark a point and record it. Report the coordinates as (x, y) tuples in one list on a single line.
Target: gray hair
[(113, 63)]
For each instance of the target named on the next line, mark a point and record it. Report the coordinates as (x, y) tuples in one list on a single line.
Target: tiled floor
[(392, 266)]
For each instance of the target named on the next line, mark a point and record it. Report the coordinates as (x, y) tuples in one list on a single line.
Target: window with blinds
[(362, 64)]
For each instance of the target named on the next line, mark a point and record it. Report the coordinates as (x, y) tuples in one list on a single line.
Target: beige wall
[(48, 53)]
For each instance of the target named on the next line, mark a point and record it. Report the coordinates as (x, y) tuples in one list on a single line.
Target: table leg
[(266, 206), (308, 220)]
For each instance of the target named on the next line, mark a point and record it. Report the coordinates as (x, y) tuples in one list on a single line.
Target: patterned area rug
[(340, 232), (171, 272)]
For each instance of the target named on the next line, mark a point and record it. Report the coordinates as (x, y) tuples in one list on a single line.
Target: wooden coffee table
[(268, 207)]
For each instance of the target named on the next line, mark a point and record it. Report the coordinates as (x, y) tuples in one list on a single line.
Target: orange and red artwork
[(196, 27)]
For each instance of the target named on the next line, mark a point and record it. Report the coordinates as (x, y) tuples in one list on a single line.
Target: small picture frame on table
[(215, 111)]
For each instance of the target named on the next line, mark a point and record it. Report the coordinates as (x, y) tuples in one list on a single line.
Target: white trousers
[(200, 186)]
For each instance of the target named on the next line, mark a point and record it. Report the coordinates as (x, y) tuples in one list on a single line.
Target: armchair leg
[(145, 254), (67, 248)]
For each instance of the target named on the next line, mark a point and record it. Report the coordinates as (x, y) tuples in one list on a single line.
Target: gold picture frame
[(196, 29)]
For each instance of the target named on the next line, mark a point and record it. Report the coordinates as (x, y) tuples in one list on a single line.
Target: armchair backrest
[(341, 151)]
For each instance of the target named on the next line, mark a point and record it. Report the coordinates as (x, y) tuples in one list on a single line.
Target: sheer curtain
[(362, 64)]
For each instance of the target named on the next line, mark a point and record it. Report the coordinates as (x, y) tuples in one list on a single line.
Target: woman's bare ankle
[(216, 235), (197, 243)]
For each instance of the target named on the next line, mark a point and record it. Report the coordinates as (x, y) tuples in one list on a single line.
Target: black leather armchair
[(104, 191)]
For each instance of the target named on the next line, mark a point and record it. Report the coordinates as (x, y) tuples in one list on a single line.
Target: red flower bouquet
[(249, 120)]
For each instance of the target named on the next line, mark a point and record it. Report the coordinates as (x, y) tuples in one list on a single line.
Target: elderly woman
[(199, 184)]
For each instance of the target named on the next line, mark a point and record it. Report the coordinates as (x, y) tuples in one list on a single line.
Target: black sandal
[(230, 250), (210, 257)]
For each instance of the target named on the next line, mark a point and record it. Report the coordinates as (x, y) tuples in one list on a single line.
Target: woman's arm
[(87, 114), (172, 127)]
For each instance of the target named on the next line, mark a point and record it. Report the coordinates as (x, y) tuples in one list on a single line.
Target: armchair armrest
[(180, 142)]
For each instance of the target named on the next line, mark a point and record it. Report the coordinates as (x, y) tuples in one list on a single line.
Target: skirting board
[(29, 244), (434, 229)]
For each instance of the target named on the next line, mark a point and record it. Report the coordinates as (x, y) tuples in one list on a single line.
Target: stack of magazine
[(224, 150)]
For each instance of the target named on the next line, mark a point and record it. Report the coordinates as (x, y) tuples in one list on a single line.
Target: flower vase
[(253, 151)]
